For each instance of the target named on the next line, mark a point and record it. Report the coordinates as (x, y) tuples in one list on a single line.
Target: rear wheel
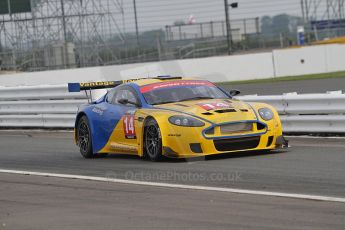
[(152, 140), (84, 140)]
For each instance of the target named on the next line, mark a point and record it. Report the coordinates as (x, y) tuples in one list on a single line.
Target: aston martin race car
[(172, 117)]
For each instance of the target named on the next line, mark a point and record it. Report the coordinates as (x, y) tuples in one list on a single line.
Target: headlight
[(266, 114), (185, 121)]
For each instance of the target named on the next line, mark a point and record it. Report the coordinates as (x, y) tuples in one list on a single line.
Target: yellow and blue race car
[(173, 117)]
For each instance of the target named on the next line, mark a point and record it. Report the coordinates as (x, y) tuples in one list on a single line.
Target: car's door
[(105, 118), (122, 105)]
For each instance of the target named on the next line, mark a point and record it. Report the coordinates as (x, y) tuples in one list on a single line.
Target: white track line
[(315, 137), (179, 186)]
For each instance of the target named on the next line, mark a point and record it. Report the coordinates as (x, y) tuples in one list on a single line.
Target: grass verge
[(289, 78)]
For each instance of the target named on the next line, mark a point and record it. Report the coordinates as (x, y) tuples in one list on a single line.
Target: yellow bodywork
[(176, 140)]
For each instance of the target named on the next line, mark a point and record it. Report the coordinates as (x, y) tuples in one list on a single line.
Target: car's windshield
[(177, 91)]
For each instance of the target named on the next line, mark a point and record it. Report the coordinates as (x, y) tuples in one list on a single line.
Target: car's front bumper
[(182, 142)]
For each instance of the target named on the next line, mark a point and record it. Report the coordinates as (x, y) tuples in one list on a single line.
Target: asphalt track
[(311, 166), (301, 86)]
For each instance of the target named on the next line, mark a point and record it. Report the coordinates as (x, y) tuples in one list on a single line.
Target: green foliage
[(147, 39), (290, 78), (280, 24), (179, 23)]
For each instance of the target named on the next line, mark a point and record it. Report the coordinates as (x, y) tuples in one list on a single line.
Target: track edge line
[(179, 186)]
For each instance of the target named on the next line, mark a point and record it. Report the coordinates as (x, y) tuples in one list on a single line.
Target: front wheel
[(152, 140), (84, 140)]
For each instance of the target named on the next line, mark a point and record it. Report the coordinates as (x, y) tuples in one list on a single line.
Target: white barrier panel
[(38, 121), (309, 60), (54, 107), (276, 101), (303, 104), (45, 106), (216, 69), (314, 104), (38, 93), (41, 106), (314, 124)]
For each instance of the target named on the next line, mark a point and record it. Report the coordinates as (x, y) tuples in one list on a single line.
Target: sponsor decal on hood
[(215, 105)]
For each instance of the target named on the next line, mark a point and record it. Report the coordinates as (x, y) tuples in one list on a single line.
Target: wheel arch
[(79, 116), (159, 120), (159, 123), (142, 149), (162, 119)]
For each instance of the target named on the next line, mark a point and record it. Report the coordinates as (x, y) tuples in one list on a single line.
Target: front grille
[(236, 144), (236, 128)]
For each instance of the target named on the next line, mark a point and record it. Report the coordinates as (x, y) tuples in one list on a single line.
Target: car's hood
[(214, 110)]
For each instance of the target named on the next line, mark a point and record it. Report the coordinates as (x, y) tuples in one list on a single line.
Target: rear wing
[(77, 87)]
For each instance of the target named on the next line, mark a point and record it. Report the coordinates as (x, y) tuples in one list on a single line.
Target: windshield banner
[(171, 84)]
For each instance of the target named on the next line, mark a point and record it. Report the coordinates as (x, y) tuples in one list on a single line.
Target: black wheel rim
[(83, 136), (152, 140)]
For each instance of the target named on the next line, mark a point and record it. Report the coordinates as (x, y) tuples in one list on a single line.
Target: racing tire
[(152, 141), (84, 140)]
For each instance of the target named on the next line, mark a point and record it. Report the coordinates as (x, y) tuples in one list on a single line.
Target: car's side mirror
[(125, 101), (234, 92)]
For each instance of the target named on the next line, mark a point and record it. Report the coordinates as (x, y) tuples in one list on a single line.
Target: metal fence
[(37, 35), (213, 29)]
